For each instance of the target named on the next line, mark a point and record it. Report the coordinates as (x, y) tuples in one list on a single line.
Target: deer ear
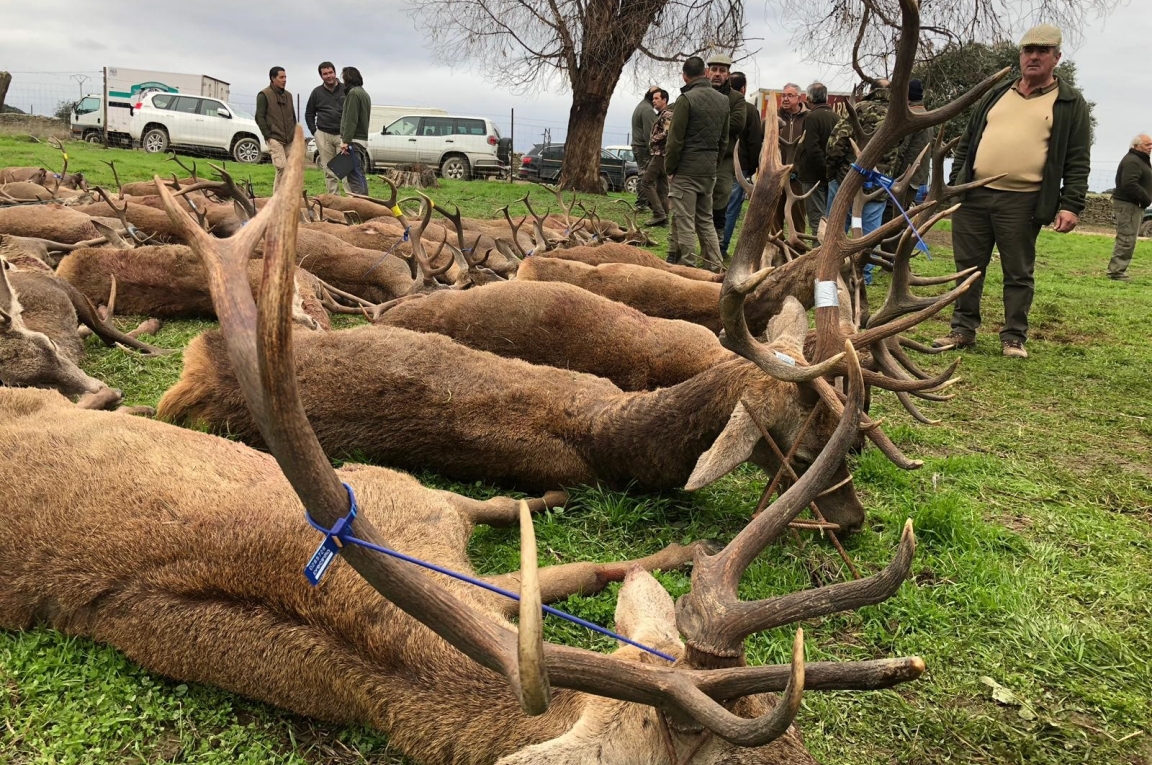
[(645, 611), (732, 448), (9, 306), (790, 325)]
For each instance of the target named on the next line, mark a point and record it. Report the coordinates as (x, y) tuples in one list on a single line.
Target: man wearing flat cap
[(1035, 133)]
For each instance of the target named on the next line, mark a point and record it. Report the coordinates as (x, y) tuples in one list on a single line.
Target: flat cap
[(719, 58), (1044, 35)]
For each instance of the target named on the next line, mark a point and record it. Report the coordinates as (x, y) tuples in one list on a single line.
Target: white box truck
[(123, 89)]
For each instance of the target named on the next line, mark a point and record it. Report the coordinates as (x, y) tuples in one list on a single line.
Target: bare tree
[(865, 31), (587, 43)]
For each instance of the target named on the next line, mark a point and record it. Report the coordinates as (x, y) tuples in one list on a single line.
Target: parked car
[(87, 120), (164, 120), (462, 147), (542, 164)]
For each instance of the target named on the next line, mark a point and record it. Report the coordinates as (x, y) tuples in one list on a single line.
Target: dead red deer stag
[(39, 343), (438, 666)]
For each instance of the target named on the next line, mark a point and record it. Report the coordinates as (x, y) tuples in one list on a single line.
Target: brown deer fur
[(56, 223), (422, 401), (149, 220), (369, 274), (169, 282), (615, 252), (561, 325), (210, 589)]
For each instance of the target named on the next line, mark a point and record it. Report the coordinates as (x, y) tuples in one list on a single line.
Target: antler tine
[(260, 347), (191, 171), (116, 177), (712, 619), (896, 347), (533, 691), (898, 383), (743, 276), (476, 260), (457, 221), (898, 325), (420, 261), (515, 231), (900, 299), (539, 237), (389, 203), (233, 191)]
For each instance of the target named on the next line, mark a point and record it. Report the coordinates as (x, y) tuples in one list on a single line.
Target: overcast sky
[(43, 42)]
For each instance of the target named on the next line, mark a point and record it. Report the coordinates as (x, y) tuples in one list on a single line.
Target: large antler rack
[(899, 122), (225, 188), (259, 342)]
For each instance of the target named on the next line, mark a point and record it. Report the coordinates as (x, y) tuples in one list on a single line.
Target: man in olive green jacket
[(696, 143), (276, 118), (719, 73), (354, 126), (1036, 133)]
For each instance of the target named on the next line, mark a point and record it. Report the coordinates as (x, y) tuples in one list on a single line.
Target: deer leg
[(586, 578), (502, 511)]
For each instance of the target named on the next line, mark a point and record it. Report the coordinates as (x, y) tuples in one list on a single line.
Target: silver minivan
[(462, 147)]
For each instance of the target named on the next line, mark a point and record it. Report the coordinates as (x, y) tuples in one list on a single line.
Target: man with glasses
[(1035, 132)]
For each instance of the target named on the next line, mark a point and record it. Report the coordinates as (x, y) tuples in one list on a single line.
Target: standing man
[(643, 116), (1035, 131), (748, 152), (696, 142), (811, 167), (354, 126), (911, 147), (840, 158), (276, 118), (719, 66), (322, 116), (793, 115), (1133, 193), (655, 183)]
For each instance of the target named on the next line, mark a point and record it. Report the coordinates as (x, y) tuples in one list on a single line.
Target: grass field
[(1032, 594)]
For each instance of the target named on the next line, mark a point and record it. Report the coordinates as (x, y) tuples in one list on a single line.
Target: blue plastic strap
[(884, 182), (388, 252), (341, 534)]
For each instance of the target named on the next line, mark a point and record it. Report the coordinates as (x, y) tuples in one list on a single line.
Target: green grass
[(1034, 565)]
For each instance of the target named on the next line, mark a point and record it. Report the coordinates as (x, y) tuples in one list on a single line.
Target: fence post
[(104, 132), (512, 149)]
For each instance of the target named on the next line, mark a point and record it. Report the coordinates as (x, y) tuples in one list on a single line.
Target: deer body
[(561, 325), (430, 403), (56, 223), (616, 252)]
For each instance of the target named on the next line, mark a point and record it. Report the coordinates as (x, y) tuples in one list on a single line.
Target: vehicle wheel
[(605, 185), (632, 185), (155, 141), (1146, 228), (456, 168), (93, 136), (246, 150)]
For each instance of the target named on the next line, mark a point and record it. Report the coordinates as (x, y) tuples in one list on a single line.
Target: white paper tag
[(858, 223), (826, 295), (785, 358)]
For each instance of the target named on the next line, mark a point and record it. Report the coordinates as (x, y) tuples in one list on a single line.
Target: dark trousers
[(642, 159), (1002, 219), (816, 206), (655, 187), (357, 183)]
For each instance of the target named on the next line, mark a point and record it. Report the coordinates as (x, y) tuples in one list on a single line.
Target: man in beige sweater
[(1033, 132)]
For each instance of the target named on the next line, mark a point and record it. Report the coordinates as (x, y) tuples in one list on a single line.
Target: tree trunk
[(591, 91), (6, 80)]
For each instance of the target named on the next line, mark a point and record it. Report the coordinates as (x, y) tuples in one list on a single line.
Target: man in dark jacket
[(719, 66), (322, 116), (792, 116), (276, 118), (643, 117), (1133, 193), (748, 152), (1036, 132), (811, 167), (354, 126), (696, 142)]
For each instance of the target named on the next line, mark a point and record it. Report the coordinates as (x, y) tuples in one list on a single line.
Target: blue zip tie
[(386, 254), (884, 182), (341, 534)]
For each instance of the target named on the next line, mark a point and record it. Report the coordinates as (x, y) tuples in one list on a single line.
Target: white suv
[(163, 120), (462, 147)]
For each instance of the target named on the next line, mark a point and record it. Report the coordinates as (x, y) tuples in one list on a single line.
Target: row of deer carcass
[(193, 569)]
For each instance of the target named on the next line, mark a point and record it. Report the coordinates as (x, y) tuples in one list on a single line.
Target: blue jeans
[(357, 183), (870, 220), (735, 202)]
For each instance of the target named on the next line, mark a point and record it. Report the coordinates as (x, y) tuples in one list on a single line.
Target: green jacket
[(1134, 179), (699, 135), (737, 117), (357, 110), (643, 118), (276, 115), (1069, 152), (839, 157), (811, 165)]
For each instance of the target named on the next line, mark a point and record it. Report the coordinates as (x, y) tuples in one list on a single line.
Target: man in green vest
[(1036, 133), (276, 118), (696, 143)]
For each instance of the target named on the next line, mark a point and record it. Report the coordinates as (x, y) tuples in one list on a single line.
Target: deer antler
[(191, 171), (389, 203), (122, 214), (116, 177)]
